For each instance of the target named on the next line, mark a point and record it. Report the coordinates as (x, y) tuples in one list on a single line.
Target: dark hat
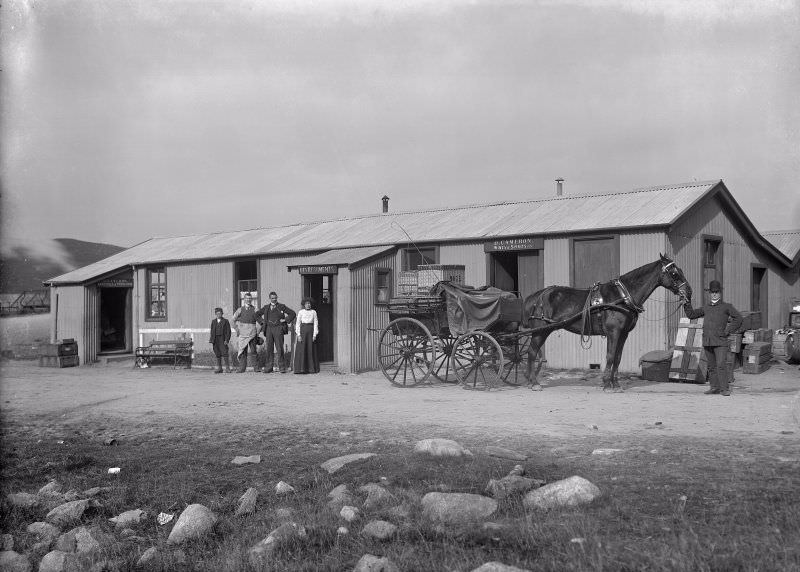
[(715, 286), (218, 310)]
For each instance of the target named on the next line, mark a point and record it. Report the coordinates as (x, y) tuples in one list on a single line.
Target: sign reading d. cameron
[(521, 243), (325, 269)]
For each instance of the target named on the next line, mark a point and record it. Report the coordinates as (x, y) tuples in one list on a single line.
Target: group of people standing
[(272, 321)]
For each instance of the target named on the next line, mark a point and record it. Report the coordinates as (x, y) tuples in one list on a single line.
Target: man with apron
[(247, 326)]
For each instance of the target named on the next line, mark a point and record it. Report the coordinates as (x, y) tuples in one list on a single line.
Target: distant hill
[(25, 267)]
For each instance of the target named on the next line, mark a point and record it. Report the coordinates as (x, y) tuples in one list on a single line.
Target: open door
[(320, 288)]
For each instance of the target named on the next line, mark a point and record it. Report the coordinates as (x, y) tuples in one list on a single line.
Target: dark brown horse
[(610, 309)]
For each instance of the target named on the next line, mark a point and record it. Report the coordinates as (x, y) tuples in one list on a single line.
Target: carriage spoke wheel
[(515, 365), (477, 361), (406, 352), (443, 365)]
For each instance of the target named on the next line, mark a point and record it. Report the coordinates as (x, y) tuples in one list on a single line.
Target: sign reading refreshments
[(116, 283), (506, 244), (325, 269)]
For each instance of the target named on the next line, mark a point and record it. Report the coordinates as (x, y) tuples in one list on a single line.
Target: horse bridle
[(672, 270)]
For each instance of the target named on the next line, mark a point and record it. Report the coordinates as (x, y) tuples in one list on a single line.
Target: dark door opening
[(320, 288), (504, 273), (246, 281), (758, 292), (114, 322), (712, 263)]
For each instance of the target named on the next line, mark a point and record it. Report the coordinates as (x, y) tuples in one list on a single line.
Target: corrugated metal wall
[(91, 324), (274, 276), (738, 254), (366, 316), (471, 255), (564, 349), (71, 316)]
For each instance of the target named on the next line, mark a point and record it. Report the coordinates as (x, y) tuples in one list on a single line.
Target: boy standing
[(219, 338)]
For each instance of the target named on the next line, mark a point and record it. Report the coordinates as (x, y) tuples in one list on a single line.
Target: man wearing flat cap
[(219, 338), (721, 319)]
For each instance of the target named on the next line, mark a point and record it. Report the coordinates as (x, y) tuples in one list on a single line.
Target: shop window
[(157, 294), (383, 285), (413, 257), (593, 259), (246, 275)]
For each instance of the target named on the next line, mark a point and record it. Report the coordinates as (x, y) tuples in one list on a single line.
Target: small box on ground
[(655, 365), (67, 347), (756, 357), (59, 361)]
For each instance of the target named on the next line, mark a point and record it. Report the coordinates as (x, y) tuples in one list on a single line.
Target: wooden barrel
[(786, 346)]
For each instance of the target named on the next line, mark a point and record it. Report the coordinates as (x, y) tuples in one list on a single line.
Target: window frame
[(404, 252), (387, 272), (149, 271), (616, 258)]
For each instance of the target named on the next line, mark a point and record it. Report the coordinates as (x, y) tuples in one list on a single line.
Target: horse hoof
[(618, 389), (535, 387)]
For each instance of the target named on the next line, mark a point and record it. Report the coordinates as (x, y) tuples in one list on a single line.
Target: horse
[(609, 309)]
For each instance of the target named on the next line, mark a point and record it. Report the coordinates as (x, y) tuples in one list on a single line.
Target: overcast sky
[(123, 120)]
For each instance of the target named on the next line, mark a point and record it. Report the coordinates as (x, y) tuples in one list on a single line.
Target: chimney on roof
[(559, 187), (385, 200)]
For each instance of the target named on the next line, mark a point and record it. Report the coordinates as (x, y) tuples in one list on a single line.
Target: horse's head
[(672, 279)]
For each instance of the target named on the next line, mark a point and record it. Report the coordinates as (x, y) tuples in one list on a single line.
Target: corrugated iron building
[(350, 266)]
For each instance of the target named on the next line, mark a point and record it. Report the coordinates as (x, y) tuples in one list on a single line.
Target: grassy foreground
[(667, 504)]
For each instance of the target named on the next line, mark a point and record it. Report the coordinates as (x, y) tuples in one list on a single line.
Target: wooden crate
[(735, 343), (60, 348), (430, 274), (59, 361), (755, 367), (758, 352), (688, 357), (407, 283), (760, 335)]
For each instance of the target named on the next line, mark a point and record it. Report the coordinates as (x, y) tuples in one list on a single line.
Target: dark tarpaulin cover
[(472, 309)]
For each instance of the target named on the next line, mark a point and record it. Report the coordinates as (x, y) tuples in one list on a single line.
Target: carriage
[(486, 337), (455, 334)]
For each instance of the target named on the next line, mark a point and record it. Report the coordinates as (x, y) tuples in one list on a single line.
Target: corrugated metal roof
[(787, 241), (344, 256), (656, 206)]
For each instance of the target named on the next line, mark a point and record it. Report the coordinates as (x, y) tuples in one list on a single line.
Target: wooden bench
[(178, 351)]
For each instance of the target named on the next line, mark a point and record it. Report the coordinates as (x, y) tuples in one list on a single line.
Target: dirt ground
[(572, 403)]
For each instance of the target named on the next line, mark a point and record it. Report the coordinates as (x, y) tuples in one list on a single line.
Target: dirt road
[(571, 405)]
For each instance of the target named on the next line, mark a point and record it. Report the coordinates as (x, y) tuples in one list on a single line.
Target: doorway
[(520, 272), (758, 292), (115, 308), (319, 287)]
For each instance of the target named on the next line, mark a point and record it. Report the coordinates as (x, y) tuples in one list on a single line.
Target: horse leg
[(623, 336), (611, 354), (534, 350)]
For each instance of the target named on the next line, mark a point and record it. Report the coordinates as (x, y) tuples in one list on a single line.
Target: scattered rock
[(567, 492), (457, 507), (261, 553), (252, 459), (66, 542), (94, 491), (591, 426), (606, 451), (194, 522), (339, 497), (247, 502), (502, 453), (441, 448), (67, 513), (284, 513), (11, 561), (349, 513), (128, 518), (110, 442), (91, 540), (147, 556), (342, 531), (50, 488), (127, 533), (498, 567), (23, 500), (510, 486), (283, 488), (39, 549), (377, 496), (333, 465), (54, 561), (370, 563), (517, 471), (7, 542), (379, 530)]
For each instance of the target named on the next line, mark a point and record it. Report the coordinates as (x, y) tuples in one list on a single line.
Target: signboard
[(509, 244), (116, 283), (326, 269)]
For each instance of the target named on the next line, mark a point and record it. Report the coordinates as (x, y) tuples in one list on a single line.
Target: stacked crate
[(63, 353), (419, 282), (757, 357)]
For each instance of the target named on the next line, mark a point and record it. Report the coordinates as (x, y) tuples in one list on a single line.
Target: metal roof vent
[(385, 200), (559, 187)]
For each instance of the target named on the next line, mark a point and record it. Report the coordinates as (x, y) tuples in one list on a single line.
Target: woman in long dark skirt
[(307, 328)]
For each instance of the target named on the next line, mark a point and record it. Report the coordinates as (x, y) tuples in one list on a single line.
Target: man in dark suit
[(277, 318), (721, 319), (219, 338)]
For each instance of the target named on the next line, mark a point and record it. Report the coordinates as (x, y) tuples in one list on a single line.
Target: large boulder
[(457, 507), (67, 513), (335, 464), (379, 530), (11, 561), (371, 563), (54, 561), (573, 491), (194, 522), (441, 448), (247, 502)]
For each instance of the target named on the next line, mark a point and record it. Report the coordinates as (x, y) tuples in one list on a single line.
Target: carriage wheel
[(443, 365), (515, 365), (406, 352), (477, 361)]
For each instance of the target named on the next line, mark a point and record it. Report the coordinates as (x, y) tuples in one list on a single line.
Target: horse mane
[(632, 275)]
